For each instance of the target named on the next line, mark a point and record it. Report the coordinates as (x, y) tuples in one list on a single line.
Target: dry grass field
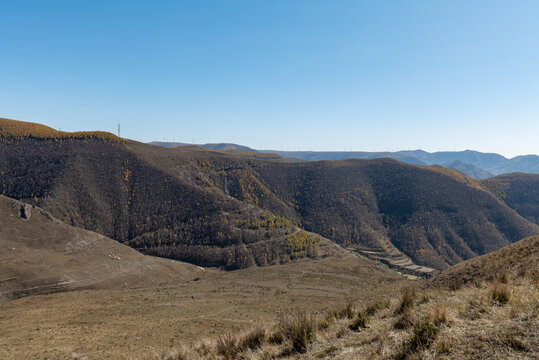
[(133, 323)]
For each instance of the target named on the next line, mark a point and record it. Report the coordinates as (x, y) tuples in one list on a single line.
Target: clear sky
[(279, 74)]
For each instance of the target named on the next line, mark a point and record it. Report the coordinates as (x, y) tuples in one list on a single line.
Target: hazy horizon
[(307, 75)]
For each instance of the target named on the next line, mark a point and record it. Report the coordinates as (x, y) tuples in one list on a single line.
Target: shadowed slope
[(519, 191)]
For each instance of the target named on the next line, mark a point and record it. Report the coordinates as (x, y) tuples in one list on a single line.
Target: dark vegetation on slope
[(236, 210), (104, 186), (519, 191), (431, 216)]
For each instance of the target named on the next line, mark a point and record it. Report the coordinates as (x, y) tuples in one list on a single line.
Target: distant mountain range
[(474, 164)]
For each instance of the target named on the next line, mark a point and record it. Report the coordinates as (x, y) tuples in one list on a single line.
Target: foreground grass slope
[(131, 323), (493, 317)]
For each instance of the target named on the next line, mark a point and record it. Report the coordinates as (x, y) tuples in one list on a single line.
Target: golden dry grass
[(14, 129), (445, 327)]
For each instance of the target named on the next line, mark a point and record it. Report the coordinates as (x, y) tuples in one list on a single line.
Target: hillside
[(509, 261), (137, 322), (519, 191), (468, 170), (491, 314), (40, 255), (431, 216), (235, 210)]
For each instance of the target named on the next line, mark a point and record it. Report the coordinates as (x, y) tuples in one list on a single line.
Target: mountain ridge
[(472, 163)]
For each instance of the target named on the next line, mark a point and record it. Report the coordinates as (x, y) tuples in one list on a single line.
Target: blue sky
[(308, 75)]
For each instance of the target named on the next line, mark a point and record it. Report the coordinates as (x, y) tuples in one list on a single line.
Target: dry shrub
[(406, 302), (500, 294)]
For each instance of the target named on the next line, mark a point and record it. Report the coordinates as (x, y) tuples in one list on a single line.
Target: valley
[(115, 249)]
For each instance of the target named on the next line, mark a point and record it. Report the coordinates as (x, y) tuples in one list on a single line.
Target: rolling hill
[(40, 255), (235, 209), (519, 258)]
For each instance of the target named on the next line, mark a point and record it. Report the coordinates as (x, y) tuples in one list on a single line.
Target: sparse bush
[(360, 322), (500, 294)]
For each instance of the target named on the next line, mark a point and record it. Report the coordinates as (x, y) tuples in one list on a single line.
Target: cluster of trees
[(301, 244)]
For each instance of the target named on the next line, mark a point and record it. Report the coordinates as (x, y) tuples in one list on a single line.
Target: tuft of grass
[(424, 335), (375, 307), (300, 329), (438, 315), (424, 299), (227, 346), (254, 339), (405, 321), (474, 309), (510, 340), (500, 294), (276, 338), (325, 323), (406, 302), (345, 312), (360, 322)]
